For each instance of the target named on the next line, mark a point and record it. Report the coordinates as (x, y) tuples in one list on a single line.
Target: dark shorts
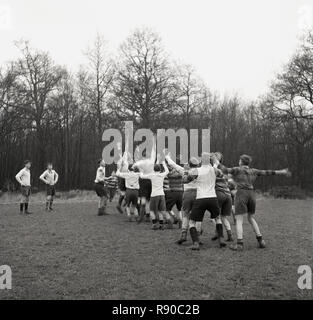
[(101, 190), (200, 206), (145, 188), (225, 203), (189, 197), (25, 191), (131, 196), (50, 190), (157, 204), (245, 202), (112, 192), (121, 184), (173, 198)]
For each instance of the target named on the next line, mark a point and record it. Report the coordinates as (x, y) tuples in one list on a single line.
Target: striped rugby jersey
[(221, 183), (175, 181), (111, 182)]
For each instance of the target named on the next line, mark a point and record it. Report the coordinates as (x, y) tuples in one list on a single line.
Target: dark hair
[(130, 167), (27, 161), (99, 161), (157, 167), (246, 160)]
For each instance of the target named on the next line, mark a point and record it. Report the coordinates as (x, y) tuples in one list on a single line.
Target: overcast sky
[(235, 45)]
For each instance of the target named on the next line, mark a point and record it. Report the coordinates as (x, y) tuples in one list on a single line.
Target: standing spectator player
[(245, 200), (23, 178), (101, 188), (50, 178), (112, 185)]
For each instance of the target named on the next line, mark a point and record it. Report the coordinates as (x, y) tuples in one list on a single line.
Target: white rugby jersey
[(100, 177), (157, 180), (206, 182), (50, 176), (23, 177), (131, 179)]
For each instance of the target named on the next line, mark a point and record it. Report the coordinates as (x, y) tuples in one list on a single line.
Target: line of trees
[(50, 114)]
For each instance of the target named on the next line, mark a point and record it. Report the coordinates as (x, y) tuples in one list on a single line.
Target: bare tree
[(292, 91), (95, 81), (37, 78), (144, 84)]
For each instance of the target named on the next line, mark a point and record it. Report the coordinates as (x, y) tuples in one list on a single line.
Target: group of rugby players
[(150, 188)]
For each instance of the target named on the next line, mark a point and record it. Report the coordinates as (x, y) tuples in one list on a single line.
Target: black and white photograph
[(157, 151)]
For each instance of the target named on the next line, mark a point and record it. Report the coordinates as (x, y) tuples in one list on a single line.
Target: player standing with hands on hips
[(23, 178), (50, 178)]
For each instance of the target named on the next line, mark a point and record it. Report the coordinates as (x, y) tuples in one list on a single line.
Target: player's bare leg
[(239, 231), (256, 229)]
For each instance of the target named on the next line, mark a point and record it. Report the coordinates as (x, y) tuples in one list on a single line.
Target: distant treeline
[(49, 114)]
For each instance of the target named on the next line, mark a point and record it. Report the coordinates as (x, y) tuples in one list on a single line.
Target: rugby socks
[(261, 242), (128, 211), (141, 213), (169, 223), (183, 237), (219, 230), (21, 207), (194, 235), (237, 246), (229, 236), (120, 200), (240, 242), (26, 206)]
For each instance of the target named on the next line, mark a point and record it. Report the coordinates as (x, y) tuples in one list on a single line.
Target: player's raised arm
[(284, 172), (166, 171), (172, 163), (224, 169)]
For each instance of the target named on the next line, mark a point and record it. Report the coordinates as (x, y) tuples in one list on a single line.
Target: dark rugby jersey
[(166, 184), (121, 183), (244, 176)]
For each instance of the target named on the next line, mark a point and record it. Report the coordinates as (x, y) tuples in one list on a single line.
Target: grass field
[(74, 254)]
